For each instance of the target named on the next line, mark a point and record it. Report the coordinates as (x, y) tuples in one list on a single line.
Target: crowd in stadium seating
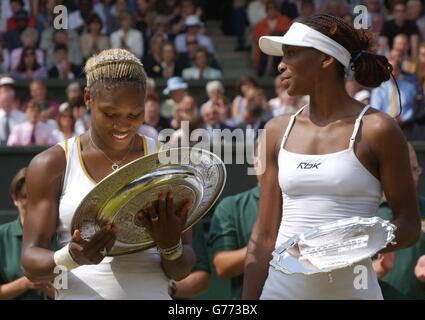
[(171, 38)]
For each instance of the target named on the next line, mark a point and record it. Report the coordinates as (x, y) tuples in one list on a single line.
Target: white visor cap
[(303, 36)]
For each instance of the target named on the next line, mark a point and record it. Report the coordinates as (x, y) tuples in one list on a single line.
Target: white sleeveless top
[(319, 189), (133, 276)]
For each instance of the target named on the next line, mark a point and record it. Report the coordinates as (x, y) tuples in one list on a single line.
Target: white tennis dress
[(133, 276), (318, 189)]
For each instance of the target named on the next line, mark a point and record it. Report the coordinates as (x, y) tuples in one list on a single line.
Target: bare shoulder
[(381, 131), (48, 166), (277, 126)]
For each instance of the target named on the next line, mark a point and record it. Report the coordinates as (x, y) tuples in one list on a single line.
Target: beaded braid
[(370, 69)]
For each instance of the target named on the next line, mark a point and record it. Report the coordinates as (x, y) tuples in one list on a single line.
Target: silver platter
[(189, 173), (333, 246)]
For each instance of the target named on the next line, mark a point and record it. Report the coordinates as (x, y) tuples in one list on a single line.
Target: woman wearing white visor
[(331, 160)]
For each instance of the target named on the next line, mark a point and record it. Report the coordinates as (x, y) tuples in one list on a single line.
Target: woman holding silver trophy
[(59, 178), (331, 163)]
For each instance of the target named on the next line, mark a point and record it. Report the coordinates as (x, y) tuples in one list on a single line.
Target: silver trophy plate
[(189, 173), (333, 246)]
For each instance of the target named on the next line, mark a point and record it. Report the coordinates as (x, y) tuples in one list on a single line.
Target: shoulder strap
[(290, 124), (357, 126)]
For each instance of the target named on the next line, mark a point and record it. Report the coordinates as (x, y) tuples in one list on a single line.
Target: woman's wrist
[(172, 253)]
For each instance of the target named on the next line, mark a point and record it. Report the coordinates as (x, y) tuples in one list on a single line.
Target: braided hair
[(113, 67), (370, 69)]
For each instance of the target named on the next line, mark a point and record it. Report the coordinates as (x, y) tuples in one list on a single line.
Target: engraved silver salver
[(190, 173), (333, 245)]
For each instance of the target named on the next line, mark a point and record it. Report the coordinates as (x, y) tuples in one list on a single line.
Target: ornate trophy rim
[(199, 173)]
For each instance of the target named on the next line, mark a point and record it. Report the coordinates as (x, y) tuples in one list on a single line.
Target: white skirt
[(357, 282), (137, 276)]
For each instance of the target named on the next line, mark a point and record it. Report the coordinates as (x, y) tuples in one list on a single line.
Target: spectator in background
[(29, 40), (177, 90), (81, 114), (289, 9), (170, 64), (415, 13), (256, 11), (144, 17), (200, 69), (385, 97), (239, 102), (79, 18), (282, 103), (153, 116), (38, 93), (418, 131), (6, 12), (4, 57), (400, 24), (375, 16), (239, 22), (406, 272), (92, 41), (32, 131), (272, 24), (255, 115), (13, 37), (104, 10), (211, 122), (65, 122), (64, 69), (215, 92), (127, 37), (193, 26), (9, 115), (401, 45), (150, 87), (167, 8), (185, 9), (230, 231), (45, 15), (50, 38), (334, 7), (28, 67), (18, 6), (152, 61), (186, 110), (307, 8), (13, 284)]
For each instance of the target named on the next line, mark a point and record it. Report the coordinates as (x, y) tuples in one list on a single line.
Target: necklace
[(115, 164)]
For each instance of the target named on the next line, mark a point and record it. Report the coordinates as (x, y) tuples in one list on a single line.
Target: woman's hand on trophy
[(92, 251), (164, 222)]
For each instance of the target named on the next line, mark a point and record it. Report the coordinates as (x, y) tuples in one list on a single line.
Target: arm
[(194, 284), (389, 146), (230, 263), (44, 183), (265, 231), (19, 286), (43, 186)]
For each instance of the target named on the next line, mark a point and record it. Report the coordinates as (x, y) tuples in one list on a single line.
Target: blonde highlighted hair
[(113, 67)]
